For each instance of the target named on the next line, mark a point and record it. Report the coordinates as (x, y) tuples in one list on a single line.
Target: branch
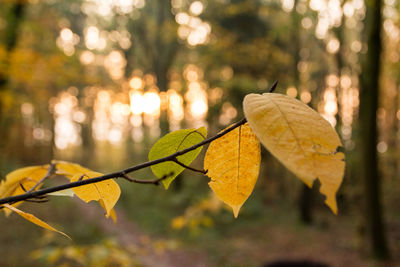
[(118, 174), (123, 173)]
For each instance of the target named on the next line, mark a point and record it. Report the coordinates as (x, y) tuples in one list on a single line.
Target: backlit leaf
[(105, 192), (34, 219), (171, 143), (233, 164), (69, 169), (300, 138), (28, 177)]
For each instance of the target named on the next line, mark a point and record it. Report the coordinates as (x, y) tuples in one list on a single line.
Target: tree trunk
[(369, 81), (11, 37), (305, 196), (306, 204)]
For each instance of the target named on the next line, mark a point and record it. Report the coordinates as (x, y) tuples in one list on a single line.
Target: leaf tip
[(166, 183), (331, 203), (236, 209), (308, 183), (64, 234), (113, 216)]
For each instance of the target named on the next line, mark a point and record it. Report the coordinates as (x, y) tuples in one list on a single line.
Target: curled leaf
[(34, 219), (233, 164), (300, 138), (171, 143)]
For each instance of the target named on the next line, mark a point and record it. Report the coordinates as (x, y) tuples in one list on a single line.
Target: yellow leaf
[(34, 219), (113, 216), (69, 169), (28, 177), (233, 163), (300, 138), (106, 192), (178, 223)]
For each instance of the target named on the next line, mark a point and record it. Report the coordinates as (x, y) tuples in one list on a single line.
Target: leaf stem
[(188, 167), (50, 172)]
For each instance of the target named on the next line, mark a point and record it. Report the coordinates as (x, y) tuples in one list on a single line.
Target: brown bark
[(369, 97)]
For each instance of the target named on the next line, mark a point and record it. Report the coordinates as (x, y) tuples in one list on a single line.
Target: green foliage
[(171, 143)]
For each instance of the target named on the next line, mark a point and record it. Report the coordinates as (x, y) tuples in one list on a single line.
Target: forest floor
[(256, 245), (275, 238)]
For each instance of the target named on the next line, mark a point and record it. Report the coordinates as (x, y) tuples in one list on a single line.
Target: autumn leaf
[(69, 169), (106, 192), (233, 164), (171, 143), (33, 219), (300, 138), (20, 179)]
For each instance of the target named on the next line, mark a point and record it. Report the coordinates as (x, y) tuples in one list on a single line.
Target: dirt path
[(155, 252)]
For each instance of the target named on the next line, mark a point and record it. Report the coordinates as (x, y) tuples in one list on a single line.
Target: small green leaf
[(171, 143)]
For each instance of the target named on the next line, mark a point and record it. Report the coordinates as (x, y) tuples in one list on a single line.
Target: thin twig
[(139, 181), (22, 187), (188, 167), (81, 178), (273, 87), (37, 200), (50, 172)]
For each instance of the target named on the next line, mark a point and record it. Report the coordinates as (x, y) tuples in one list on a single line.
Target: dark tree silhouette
[(369, 97)]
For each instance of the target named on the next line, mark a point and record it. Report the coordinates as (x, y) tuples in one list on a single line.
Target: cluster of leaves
[(293, 132), (28, 179), (197, 215)]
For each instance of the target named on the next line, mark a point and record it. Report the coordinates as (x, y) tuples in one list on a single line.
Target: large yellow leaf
[(233, 164), (300, 138), (106, 192), (28, 177), (34, 219)]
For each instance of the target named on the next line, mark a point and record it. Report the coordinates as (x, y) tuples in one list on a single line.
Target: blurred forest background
[(97, 82)]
